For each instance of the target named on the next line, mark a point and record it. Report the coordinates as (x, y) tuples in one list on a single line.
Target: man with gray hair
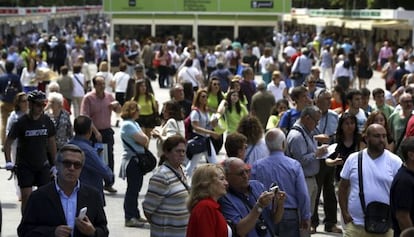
[(302, 146), (288, 174)]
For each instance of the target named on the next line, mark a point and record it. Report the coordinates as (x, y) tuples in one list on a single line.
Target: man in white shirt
[(289, 49), (277, 87), (379, 167)]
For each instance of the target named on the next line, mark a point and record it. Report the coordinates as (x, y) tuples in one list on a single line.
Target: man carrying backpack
[(9, 86)]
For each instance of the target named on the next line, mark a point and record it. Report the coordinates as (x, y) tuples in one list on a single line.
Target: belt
[(310, 177), (290, 209)]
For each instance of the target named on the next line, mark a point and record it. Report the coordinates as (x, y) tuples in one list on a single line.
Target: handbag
[(377, 215), (156, 118), (365, 72), (196, 145), (296, 75), (146, 161)]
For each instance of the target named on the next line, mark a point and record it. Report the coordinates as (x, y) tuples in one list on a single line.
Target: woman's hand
[(155, 133)]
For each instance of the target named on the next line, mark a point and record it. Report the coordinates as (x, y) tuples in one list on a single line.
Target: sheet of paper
[(331, 149)]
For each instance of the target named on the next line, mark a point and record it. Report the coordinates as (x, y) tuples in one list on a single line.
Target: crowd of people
[(303, 130)]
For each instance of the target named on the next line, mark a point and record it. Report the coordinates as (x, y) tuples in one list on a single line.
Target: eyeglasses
[(315, 120), (68, 164), (241, 173), (216, 84)]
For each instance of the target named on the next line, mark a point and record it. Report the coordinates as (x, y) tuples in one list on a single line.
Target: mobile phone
[(82, 213), (274, 187)]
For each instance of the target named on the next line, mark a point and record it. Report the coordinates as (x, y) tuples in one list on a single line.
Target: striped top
[(166, 201)]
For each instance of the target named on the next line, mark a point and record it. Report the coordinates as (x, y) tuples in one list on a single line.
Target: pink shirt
[(385, 52), (98, 109)]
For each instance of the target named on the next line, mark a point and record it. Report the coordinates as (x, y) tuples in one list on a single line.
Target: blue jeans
[(289, 225), (134, 185)]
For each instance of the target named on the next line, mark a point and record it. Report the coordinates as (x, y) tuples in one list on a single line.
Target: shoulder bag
[(146, 161), (296, 74), (377, 215)]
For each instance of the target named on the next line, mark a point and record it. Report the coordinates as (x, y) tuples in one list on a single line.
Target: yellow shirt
[(146, 106)]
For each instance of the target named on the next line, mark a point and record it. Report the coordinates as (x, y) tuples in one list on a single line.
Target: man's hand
[(265, 199), (305, 225), (85, 226), (322, 138), (98, 136), (321, 150), (9, 165), (63, 231), (53, 171)]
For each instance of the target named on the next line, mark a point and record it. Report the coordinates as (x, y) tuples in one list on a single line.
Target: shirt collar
[(60, 190)]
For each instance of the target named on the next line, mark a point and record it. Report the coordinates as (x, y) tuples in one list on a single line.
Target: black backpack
[(11, 89)]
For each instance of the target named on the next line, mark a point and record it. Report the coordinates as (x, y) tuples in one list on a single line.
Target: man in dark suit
[(53, 209)]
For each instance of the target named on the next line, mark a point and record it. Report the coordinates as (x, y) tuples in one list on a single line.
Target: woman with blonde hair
[(132, 136), (208, 185)]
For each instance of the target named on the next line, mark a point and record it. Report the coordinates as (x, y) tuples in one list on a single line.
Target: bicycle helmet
[(36, 96)]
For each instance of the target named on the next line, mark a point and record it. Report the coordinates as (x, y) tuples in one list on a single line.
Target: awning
[(358, 25), (393, 24)]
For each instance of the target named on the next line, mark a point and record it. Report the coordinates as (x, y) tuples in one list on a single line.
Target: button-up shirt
[(301, 146), (69, 204), (288, 174)]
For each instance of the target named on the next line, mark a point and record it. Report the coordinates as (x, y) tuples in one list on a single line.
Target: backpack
[(11, 89), (188, 127)]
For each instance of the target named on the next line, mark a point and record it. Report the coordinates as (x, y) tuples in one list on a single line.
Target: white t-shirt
[(277, 91), (121, 81), (361, 119), (189, 74), (263, 61), (78, 89), (377, 179)]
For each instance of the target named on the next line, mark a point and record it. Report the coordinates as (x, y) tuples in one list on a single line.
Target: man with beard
[(379, 166)]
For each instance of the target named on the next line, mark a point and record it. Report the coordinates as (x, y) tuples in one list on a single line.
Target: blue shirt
[(128, 129), (301, 146), (235, 209), (289, 118), (69, 204), (288, 174), (328, 124), (4, 80), (94, 170)]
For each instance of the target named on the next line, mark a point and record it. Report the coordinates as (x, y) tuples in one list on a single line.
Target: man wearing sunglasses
[(53, 210), (252, 210), (36, 146)]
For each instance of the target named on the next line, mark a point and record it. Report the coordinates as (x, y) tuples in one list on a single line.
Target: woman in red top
[(338, 101), (207, 186)]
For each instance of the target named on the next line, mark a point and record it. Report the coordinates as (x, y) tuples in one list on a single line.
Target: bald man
[(288, 174), (379, 166)]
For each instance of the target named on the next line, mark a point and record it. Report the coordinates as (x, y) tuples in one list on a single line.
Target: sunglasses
[(68, 164), (242, 173)]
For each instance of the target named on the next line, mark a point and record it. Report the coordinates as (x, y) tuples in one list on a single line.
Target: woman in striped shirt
[(165, 202)]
